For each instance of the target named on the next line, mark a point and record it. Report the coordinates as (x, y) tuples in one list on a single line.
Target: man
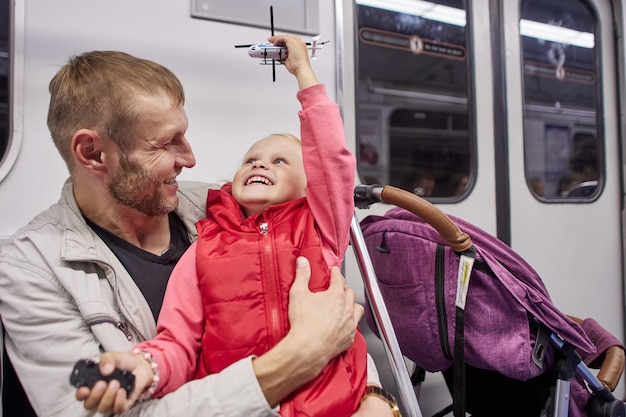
[(88, 274)]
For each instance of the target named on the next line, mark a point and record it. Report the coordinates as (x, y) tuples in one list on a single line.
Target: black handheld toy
[(86, 374)]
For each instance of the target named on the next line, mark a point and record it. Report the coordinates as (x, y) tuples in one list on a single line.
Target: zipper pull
[(125, 330), (264, 228)]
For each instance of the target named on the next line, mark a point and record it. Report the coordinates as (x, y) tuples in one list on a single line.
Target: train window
[(413, 126), (4, 77), (562, 135)]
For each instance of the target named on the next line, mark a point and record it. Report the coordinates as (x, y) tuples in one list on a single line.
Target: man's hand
[(327, 320), (109, 397), (323, 324)]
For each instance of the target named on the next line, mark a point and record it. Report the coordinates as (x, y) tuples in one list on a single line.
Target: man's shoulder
[(41, 231), (192, 201), (192, 186), (195, 191)]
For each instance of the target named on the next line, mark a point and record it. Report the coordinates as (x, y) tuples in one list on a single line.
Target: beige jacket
[(64, 296)]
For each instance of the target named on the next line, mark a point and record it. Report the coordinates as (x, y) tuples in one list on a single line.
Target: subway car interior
[(506, 115)]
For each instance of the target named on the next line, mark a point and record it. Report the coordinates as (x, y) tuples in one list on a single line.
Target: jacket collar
[(79, 242)]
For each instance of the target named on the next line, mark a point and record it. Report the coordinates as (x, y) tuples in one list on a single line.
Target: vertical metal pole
[(561, 403), (385, 328)]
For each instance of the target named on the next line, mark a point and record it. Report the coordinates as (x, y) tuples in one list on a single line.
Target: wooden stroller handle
[(456, 238), (612, 365)]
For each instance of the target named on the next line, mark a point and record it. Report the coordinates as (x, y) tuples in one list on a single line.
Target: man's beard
[(138, 188)]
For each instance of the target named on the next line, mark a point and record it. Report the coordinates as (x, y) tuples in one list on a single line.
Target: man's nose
[(185, 156)]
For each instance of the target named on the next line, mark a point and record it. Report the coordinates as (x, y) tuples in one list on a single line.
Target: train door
[(506, 114), (560, 90)]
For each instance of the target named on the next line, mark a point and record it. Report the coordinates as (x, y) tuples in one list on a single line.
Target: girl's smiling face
[(272, 172)]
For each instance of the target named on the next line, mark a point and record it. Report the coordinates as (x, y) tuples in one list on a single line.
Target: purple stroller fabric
[(504, 294)]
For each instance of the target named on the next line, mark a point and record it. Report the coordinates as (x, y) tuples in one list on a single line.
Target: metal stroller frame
[(603, 402)]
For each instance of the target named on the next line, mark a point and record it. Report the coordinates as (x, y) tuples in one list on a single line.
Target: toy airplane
[(270, 53)]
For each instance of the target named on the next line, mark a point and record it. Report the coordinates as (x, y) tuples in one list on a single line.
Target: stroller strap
[(466, 263)]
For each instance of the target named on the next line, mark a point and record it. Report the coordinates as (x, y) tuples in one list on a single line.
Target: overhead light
[(425, 9), (455, 16), (556, 34)]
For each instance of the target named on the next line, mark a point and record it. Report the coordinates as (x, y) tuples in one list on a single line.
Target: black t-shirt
[(149, 271)]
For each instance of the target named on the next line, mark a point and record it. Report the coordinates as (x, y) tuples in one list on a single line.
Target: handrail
[(385, 328)]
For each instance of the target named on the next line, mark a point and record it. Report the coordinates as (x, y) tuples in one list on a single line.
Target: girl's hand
[(297, 61)]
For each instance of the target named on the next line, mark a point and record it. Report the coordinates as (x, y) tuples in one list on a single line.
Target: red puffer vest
[(246, 268)]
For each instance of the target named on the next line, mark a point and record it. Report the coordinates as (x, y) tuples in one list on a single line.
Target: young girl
[(288, 199)]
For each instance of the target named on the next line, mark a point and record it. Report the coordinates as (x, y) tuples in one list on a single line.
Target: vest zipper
[(271, 280), (271, 285), (104, 318)]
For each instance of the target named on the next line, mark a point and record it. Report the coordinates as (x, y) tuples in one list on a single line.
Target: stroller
[(517, 346)]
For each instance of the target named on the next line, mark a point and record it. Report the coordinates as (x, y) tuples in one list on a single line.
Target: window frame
[(16, 87)]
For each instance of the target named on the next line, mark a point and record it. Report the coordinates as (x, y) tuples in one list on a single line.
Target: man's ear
[(88, 150)]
